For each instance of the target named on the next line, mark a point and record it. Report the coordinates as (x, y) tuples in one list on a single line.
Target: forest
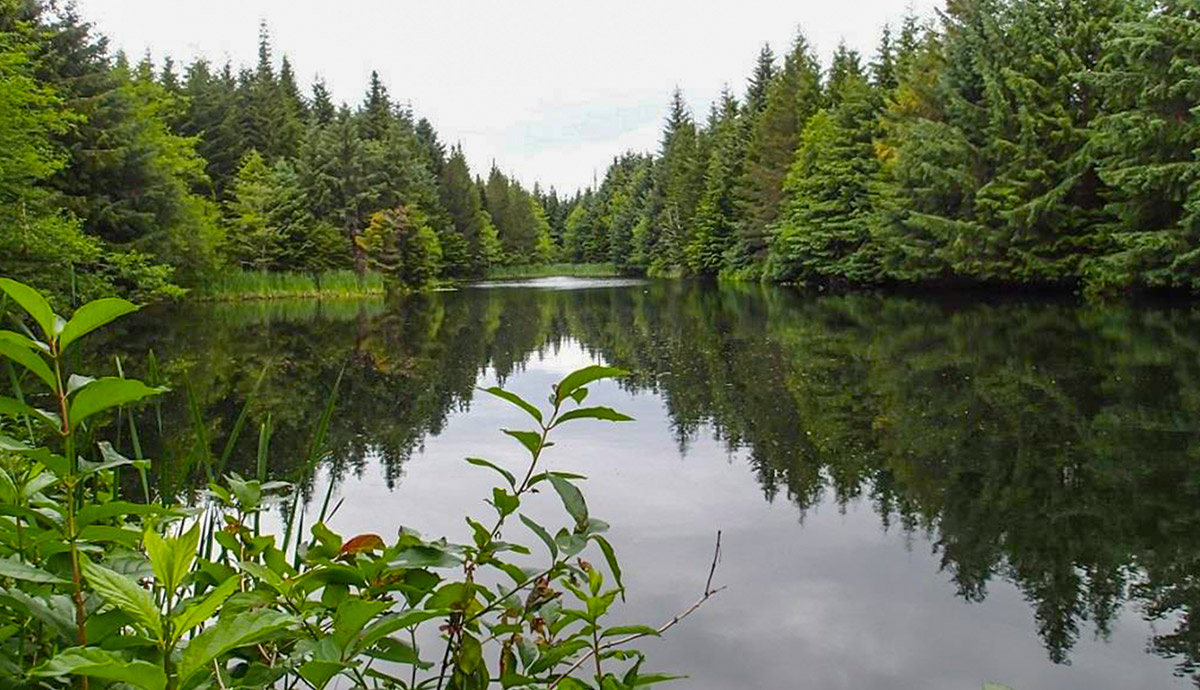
[(1001, 143)]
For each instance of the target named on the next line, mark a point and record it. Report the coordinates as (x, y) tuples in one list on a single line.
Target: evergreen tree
[(793, 96), (678, 186), (460, 197), (377, 112), (823, 234), (253, 240), (1148, 142), (322, 111), (715, 216)]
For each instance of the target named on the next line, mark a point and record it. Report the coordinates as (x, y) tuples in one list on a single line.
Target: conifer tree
[(1147, 143), (716, 214), (823, 233), (793, 96)]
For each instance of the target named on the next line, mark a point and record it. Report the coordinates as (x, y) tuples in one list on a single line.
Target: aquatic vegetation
[(105, 591)]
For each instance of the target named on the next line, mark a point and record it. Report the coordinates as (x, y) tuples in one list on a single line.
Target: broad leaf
[(100, 663), (15, 408), (531, 440), (480, 462), (28, 359), (91, 316), (582, 377), (516, 400), (108, 392), (125, 594), (572, 499), (543, 535), (606, 414), (397, 621), (33, 303), (10, 567), (227, 635)]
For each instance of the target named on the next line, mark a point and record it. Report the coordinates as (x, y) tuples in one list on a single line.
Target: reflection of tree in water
[(1044, 443)]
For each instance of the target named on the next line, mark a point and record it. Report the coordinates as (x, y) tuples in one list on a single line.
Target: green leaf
[(100, 663), (572, 499), (15, 408), (318, 672), (530, 439), (352, 616), (396, 651), (505, 502), (516, 400), (91, 316), (606, 414), (12, 445), (622, 630), (542, 534), (33, 303), (125, 594), (480, 462), (582, 377), (172, 558), (28, 359), (10, 567), (654, 679), (397, 621), (611, 557), (197, 613), (227, 635), (108, 392), (106, 511)]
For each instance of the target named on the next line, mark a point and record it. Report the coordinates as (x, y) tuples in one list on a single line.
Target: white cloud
[(549, 90)]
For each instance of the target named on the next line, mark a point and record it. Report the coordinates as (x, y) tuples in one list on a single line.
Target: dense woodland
[(1007, 142)]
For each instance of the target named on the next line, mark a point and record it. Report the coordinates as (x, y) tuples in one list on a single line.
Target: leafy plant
[(105, 592)]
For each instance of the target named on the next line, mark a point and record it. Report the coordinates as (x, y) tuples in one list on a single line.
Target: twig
[(709, 592)]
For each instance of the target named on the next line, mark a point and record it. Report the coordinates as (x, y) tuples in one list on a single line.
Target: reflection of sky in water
[(832, 602)]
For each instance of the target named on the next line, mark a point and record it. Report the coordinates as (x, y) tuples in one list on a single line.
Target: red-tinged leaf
[(363, 542)]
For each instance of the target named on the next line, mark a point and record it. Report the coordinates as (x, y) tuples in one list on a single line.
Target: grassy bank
[(251, 285), (549, 270)]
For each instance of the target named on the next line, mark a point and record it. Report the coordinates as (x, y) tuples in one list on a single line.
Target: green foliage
[(160, 597), (401, 245)]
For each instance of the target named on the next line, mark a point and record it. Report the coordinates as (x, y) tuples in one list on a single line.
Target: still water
[(914, 493)]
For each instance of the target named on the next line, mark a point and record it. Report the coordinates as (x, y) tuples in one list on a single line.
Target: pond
[(913, 492)]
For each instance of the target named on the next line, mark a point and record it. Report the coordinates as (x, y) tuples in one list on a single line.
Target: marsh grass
[(602, 270), (255, 285)]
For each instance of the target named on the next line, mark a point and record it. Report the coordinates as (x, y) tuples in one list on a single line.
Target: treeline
[(139, 178), (1012, 141)]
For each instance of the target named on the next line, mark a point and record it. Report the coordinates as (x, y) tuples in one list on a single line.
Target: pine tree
[(716, 214), (823, 233), (377, 111), (1147, 144), (253, 241), (322, 111), (678, 186), (460, 197), (793, 96), (760, 83)]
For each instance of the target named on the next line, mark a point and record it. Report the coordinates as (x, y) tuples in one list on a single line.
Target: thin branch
[(709, 592)]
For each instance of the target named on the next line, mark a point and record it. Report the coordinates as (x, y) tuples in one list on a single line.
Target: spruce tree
[(793, 96), (823, 235), (1147, 143)]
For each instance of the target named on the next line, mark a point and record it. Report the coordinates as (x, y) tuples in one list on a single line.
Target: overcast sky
[(549, 90)]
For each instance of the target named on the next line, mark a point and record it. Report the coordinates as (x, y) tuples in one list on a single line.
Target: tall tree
[(793, 96)]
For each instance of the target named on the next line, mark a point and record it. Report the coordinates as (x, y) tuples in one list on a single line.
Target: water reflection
[(1042, 444)]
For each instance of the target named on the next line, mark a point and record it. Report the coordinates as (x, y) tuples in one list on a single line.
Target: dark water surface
[(915, 493)]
